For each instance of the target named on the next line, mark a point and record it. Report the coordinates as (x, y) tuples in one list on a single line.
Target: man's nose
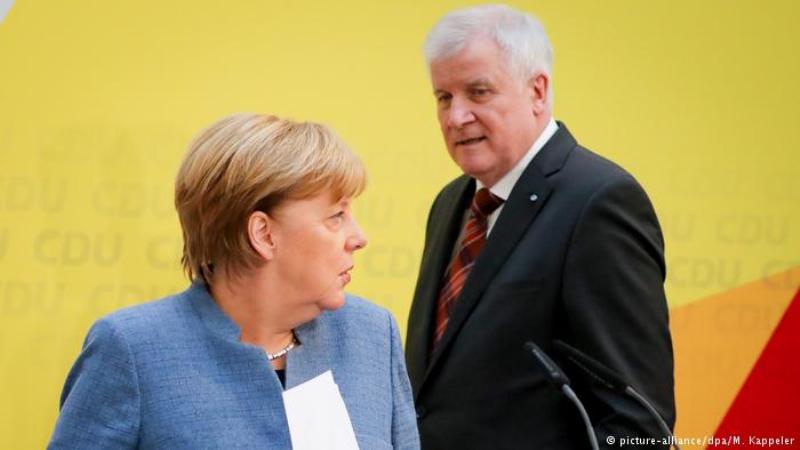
[(460, 113)]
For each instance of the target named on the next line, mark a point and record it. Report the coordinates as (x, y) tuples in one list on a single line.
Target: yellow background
[(98, 100)]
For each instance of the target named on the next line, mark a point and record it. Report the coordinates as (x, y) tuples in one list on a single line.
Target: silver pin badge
[(534, 197)]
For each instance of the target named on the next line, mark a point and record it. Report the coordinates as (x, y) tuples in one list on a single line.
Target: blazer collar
[(554, 153), (312, 357), (210, 313), (304, 362)]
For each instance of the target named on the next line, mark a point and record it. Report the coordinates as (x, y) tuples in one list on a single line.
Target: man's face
[(486, 114)]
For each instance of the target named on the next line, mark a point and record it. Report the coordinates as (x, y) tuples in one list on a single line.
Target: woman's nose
[(358, 239)]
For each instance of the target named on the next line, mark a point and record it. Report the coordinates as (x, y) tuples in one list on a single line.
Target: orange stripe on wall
[(717, 341), (765, 410)]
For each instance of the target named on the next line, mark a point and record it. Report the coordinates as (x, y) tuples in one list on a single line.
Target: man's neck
[(502, 186)]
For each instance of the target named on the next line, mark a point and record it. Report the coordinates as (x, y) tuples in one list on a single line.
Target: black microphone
[(605, 376), (560, 379)]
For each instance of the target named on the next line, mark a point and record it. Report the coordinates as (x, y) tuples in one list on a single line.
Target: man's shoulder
[(584, 159), (454, 188), (585, 169), (451, 192)]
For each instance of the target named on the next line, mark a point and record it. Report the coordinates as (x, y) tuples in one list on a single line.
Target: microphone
[(560, 379), (605, 376)]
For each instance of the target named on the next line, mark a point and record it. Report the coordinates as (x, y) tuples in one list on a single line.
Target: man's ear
[(539, 85), (259, 232)]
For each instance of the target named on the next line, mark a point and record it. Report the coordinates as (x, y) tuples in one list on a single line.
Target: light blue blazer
[(172, 374)]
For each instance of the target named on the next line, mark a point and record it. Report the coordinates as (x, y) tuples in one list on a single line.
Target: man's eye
[(442, 99), (480, 92)]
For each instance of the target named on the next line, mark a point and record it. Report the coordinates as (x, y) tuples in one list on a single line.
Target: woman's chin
[(333, 302)]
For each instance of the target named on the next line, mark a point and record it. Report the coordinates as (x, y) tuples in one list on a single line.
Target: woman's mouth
[(345, 276)]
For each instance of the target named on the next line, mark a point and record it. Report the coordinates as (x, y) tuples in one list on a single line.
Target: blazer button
[(421, 412)]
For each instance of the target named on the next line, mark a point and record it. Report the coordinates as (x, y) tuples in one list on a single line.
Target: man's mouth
[(471, 141)]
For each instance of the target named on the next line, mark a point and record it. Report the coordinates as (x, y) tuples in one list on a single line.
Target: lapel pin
[(534, 197)]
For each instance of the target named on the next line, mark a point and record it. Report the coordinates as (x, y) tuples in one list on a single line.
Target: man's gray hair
[(520, 37)]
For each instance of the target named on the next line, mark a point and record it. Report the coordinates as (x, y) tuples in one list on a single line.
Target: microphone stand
[(560, 379), (608, 378)]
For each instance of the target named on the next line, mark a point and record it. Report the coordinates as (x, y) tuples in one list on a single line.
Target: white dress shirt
[(504, 186)]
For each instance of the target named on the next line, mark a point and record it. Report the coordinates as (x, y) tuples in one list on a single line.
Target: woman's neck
[(262, 319)]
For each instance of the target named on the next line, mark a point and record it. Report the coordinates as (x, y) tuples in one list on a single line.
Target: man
[(563, 245)]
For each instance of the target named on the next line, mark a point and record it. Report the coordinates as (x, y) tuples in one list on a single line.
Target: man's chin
[(474, 165), (481, 173)]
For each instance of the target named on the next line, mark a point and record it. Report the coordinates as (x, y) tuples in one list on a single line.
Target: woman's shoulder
[(147, 318), (359, 317), (360, 309)]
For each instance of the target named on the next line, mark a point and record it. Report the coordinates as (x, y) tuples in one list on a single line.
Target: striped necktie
[(474, 236)]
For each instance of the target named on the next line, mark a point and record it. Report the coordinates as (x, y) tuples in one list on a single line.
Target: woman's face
[(315, 239)]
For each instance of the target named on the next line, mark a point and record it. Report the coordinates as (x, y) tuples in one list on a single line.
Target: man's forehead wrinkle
[(470, 83), (482, 81)]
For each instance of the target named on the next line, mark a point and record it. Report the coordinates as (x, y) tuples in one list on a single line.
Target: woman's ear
[(259, 231)]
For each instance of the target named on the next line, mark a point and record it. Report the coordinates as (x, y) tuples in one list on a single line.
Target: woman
[(269, 237)]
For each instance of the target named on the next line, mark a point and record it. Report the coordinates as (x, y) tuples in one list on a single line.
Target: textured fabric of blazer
[(576, 254), (172, 374)]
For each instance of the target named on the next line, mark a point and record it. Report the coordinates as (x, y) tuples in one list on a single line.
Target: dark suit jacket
[(576, 254)]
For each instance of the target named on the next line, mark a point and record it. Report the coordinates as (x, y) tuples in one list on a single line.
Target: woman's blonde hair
[(252, 162)]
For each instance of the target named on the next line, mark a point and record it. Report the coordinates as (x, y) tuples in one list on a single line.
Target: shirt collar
[(504, 186)]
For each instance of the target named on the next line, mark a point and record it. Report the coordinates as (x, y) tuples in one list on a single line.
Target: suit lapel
[(443, 232), (527, 199)]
